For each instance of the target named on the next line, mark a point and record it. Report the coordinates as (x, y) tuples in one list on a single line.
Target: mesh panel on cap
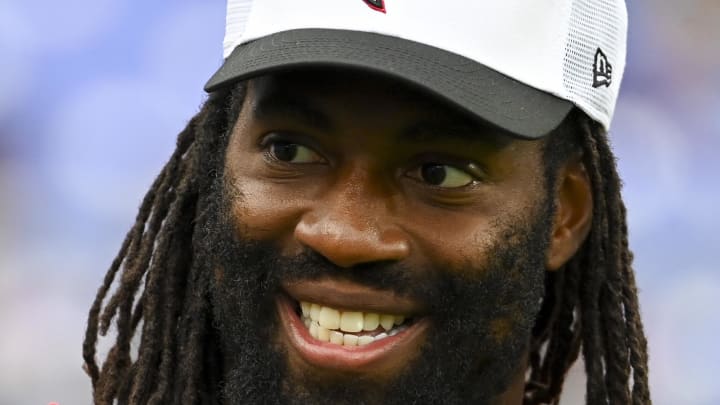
[(594, 24), (235, 22)]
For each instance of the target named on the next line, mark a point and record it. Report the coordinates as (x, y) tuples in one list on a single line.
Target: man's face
[(371, 244)]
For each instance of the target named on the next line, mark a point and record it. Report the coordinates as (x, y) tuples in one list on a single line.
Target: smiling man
[(367, 210)]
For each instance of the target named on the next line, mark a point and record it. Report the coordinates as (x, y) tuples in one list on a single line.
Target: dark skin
[(365, 170)]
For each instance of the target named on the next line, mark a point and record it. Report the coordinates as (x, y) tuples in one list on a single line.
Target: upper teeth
[(325, 323)]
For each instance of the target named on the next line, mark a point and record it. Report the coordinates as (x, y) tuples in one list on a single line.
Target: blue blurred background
[(93, 93)]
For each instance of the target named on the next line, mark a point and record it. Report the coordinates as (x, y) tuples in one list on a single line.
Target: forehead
[(328, 94)]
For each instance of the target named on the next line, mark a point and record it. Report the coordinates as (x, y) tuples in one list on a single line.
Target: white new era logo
[(602, 70)]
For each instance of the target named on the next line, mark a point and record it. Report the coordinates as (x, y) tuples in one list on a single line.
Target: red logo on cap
[(377, 5)]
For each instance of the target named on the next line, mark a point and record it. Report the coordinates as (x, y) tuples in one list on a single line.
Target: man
[(386, 202)]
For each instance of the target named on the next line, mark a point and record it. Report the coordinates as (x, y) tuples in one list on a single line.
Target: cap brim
[(498, 99)]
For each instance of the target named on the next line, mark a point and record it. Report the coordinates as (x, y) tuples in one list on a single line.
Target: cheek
[(261, 213), (260, 209), (466, 241), (456, 243)]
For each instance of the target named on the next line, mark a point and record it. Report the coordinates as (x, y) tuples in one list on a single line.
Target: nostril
[(372, 266), (343, 242)]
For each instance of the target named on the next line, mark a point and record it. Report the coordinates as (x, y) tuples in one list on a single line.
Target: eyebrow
[(279, 105), (282, 105)]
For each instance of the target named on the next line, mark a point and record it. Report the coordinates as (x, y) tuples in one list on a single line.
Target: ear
[(573, 213)]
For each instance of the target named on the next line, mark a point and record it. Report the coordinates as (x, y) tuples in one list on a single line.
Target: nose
[(353, 226)]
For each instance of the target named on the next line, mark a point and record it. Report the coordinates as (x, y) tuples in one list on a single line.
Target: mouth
[(338, 326), (349, 328)]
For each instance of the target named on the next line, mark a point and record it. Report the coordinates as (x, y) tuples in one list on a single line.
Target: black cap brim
[(498, 99)]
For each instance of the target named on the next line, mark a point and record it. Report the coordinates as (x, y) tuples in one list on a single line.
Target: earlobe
[(573, 213)]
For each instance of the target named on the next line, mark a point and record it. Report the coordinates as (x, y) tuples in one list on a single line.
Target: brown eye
[(445, 176), (293, 153)]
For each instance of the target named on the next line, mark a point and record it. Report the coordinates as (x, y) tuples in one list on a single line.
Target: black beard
[(465, 359)]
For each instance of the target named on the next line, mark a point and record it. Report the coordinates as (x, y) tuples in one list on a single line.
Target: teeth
[(351, 322), (397, 330), (371, 321), (323, 334), (328, 324), (350, 340), (336, 337), (314, 330), (314, 312), (305, 308), (387, 321), (329, 318), (364, 340)]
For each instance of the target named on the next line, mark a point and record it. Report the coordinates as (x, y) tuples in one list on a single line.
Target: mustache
[(398, 278)]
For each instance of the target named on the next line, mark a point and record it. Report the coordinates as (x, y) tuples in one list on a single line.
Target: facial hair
[(482, 316)]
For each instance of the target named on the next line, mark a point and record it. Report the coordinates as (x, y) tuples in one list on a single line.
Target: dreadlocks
[(156, 259), (590, 305)]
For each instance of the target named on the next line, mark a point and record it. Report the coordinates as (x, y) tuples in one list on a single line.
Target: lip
[(348, 296), (369, 358)]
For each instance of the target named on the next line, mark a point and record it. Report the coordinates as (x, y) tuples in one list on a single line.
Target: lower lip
[(356, 358)]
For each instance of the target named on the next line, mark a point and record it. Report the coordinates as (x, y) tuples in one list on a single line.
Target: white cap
[(518, 64)]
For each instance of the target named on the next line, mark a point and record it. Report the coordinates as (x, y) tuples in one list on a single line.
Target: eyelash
[(473, 169), (474, 181), (275, 138)]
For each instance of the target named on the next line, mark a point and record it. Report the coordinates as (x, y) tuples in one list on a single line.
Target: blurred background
[(93, 93)]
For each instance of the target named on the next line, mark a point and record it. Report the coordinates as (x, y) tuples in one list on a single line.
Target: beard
[(482, 316)]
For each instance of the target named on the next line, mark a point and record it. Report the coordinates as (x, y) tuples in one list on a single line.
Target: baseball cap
[(518, 64)]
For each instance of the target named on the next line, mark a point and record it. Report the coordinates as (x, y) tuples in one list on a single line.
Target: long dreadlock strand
[(594, 293), (613, 312), (154, 332), (135, 263), (156, 254), (197, 377), (92, 330), (635, 349)]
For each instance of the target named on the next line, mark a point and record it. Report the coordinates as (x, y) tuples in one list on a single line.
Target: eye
[(443, 175), (293, 153)]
